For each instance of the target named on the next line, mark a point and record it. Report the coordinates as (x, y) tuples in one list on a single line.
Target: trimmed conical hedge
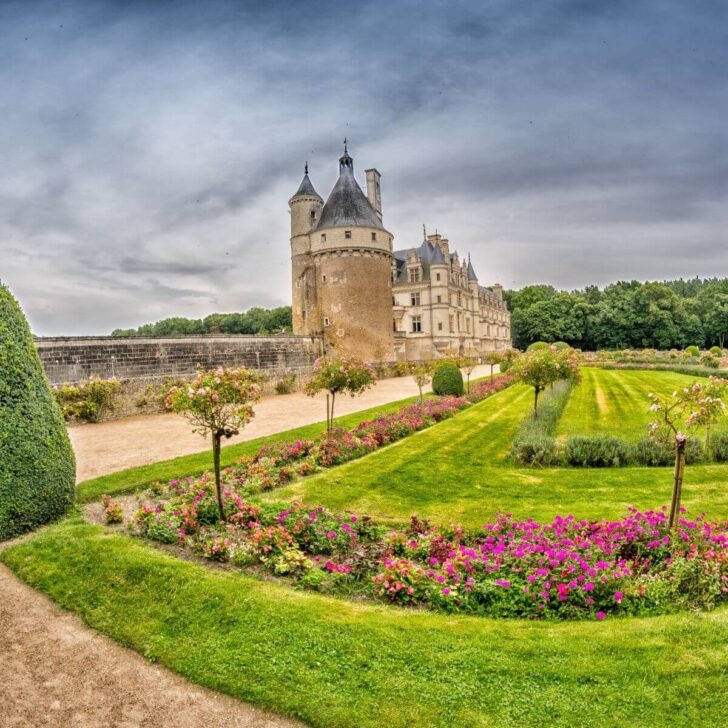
[(37, 467)]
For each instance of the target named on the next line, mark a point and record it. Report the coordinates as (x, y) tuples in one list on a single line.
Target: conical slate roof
[(437, 257), (347, 204), (306, 189), (471, 271)]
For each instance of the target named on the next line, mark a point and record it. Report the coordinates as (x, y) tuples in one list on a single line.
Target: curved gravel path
[(58, 672)]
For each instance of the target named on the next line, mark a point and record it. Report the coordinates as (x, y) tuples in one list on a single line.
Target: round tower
[(305, 207), (352, 255)]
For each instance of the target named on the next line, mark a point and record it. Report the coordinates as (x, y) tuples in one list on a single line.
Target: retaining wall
[(74, 359)]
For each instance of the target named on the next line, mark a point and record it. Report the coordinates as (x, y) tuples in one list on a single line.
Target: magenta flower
[(601, 615)]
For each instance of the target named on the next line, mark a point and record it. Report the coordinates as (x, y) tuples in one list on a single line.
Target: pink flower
[(618, 596), (446, 590), (601, 615)]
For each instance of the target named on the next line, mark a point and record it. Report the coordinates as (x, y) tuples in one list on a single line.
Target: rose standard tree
[(339, 374), (422, 376), (675, 417), (540, 368), (219, 403)]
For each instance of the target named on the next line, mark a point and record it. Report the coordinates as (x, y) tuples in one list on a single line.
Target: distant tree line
[(624, 315), (254, 321)]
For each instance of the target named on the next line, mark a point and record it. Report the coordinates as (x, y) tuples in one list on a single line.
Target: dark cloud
[(149, 148)]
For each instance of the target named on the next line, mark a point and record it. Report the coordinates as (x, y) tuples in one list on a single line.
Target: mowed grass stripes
[(616, 402)]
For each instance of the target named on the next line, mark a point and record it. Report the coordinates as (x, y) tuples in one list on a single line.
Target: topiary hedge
[(448, 379), (37, 467), (538, 345)]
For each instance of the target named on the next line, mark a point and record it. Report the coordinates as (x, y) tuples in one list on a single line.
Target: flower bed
[(567, 569)]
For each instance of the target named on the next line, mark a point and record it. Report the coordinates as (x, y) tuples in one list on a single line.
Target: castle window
[(313, 214), (437, 276), (452, 324), (439, 326), (323, 237), (416, 324), (415, 298), (326, 321), (298, 282), (323, 277), (467, 325), (439, 299), (414, 275), (374, 236), (347, 234)]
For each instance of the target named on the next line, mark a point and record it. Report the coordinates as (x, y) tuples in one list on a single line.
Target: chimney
[(374, 191), (497, 288)]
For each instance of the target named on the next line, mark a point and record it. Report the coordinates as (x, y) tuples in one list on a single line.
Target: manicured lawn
[(131, 479), (457, 470), (616, 402), (335, 663)]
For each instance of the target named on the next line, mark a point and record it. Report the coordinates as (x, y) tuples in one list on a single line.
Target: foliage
[(113, 512), (716, 351), (88, 401), (541, 367), (598, 451), (422, 375), (286, 385), (37, 467), (693, 406), (448, 379), (219, 403), (624, 314), (339, 374), (537, 346), (534, 443), (692, 351), (254, 321)]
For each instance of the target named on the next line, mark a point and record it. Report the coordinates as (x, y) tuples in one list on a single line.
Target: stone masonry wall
[(74, 359)]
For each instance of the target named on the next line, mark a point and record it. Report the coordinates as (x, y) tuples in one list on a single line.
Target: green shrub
[(37, 467), (285, 385), (534, 448), (448, 379), (708, 360), (716, 351), (88, 401), (659, 454), (692, 351), (599, 451), (538, 345), (561, 345), (719, 446)]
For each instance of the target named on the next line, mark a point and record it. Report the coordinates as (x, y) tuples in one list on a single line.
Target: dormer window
[(347, 234), (414, 275)]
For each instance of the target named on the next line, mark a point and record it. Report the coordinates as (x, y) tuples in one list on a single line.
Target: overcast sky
[(148, 150)]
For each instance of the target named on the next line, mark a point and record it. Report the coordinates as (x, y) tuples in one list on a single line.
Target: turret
[(305, 207)]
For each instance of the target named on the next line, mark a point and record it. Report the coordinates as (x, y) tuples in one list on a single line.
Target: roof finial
[(346, 151), (305, 168)]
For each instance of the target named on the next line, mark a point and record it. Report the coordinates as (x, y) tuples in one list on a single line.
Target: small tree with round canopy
[(540, 368), (687, 409), (217, 402), (339, 374)]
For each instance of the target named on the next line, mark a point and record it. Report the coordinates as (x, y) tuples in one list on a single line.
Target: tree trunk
[(420, 387), (707, 442), (677, 483), (333, 399), (536, 392), (468, 383), (216, 437), (492, 367)]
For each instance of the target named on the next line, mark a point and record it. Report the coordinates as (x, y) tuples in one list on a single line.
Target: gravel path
[(58, 672), (119, 444)]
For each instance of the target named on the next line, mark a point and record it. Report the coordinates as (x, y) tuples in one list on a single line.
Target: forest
[(627, 314), (253, 321)]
